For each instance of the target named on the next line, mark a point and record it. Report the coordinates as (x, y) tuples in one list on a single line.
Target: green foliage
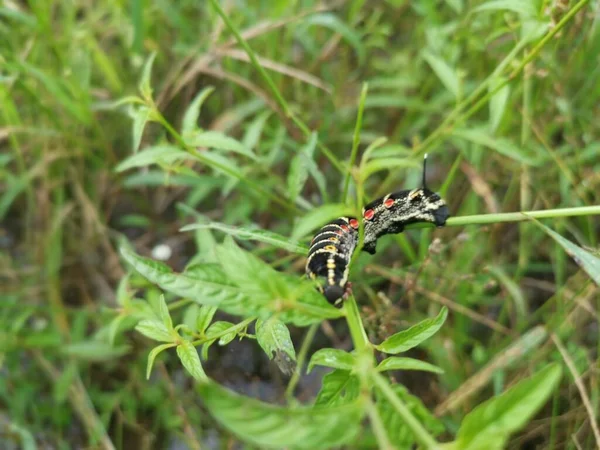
[(410, 338), (270, 426), (490, 424), (119, 126)]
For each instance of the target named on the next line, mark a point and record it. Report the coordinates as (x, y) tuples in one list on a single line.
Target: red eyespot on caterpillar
[(328, 260)]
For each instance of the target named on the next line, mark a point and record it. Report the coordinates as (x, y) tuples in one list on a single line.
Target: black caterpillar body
[(332, 247)]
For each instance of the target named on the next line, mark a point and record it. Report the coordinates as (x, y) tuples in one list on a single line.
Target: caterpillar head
[(333, 293), (429, 204)]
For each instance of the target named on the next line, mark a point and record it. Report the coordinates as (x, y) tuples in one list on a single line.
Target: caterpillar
[(334, 244)]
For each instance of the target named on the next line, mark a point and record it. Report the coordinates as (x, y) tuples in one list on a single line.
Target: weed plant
[(164, 166)]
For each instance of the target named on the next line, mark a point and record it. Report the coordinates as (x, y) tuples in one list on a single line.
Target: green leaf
[(339, 388), (498, 103), (140, 116), (268, 237), (191, 361), (267, 291), (447, 75), (163, 313), (205, 317), (499, 145), (331, 357), (496, 419), (218, 141), (299, 168), (155, 330), (152, 356), (190, 118), (398, 363), (398, 433), (270, 426), (584, 259), (274, 338), (215, 331), (159, 154), (410, 338), (145, 86), (334, 23), (319, 217), (96, 351), (524, 8)]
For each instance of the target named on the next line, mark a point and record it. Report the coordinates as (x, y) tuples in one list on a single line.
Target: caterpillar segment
[(329, 257)]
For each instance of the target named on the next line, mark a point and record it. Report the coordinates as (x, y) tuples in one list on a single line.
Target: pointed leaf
[(140, 117), (318, 217), (190, 118), (398, 363), (191, 361), (331, 357), (270, 426), (299, 168), (498, 104), (216, 330), (159, 154), (156, 330), (145, 85), (152, 356), (268, 237), (407, 339), (586, 260), (205, 317), (499, 145), (447, 75), (496, 419), (334, 23), (339, 388), (218, 141), (274, 338)]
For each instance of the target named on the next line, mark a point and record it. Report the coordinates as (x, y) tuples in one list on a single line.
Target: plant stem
[(357, 331), (240, 326), (482, 219), (415, 426), (378, 428), (355, 140), (310, 334)]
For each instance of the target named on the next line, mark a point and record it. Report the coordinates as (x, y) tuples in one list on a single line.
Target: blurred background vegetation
[(514, 294)]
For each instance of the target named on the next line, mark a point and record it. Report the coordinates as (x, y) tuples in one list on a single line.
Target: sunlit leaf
[(153, 354), (159, 154), (334, 23), (399, 363), (155, 330), (145, 85), (407, 339), (274, 338), (338, 388), (242, 233), (331, 357), (270, 426), (191, 361), (447, 75), (586, 260), (218, 141), (190, 118), (500, 145), (205, 317), (496, 419), (96, 351)]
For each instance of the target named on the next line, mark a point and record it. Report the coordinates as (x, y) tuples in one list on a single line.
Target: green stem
[(355, 140), (310, 335), (235, 328), (483, 219), (357, 331), (411, 422), (378, 428)]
